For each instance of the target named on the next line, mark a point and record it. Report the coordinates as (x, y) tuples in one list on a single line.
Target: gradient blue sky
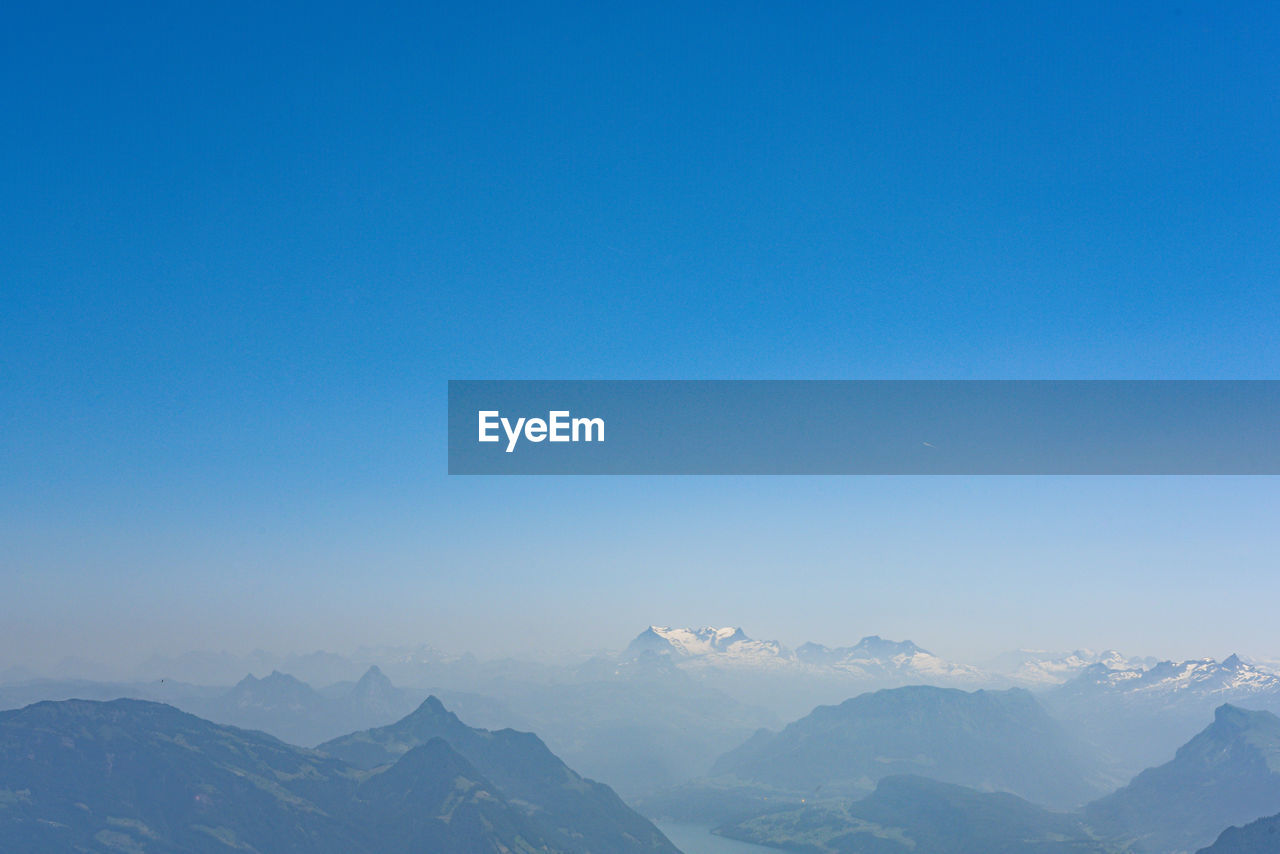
[(243, 250)]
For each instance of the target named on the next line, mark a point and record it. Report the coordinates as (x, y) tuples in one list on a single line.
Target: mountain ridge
[(991, 740), (1228, 774), (131, 775), (520, 764)]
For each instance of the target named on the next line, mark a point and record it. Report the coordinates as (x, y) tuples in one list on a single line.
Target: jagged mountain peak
[(275, 677), (430, 717), (520, 765), (374, 681), (276, 684), (432, 707), (694, 641)]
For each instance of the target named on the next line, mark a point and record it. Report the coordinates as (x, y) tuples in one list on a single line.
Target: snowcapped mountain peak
[(1204, 677), (872, 659), (1038, 668), (878, 647), (728, 641), (1112, 658)]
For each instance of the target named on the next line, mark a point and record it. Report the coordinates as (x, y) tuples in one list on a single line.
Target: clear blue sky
[(243, 249)]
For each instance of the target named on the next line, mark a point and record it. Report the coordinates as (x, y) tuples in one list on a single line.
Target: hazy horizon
[(85, 664), (247, 250), (966, 567)]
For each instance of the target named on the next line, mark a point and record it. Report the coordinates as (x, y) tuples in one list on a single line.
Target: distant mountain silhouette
[(989, 740), (294, 711), (277, 692), (570, 810), (1256, 837), (132, 776), (637, 725), (1229, 774)]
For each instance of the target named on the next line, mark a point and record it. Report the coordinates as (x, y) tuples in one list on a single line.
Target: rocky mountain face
[(1137, 717), (1226, 775)]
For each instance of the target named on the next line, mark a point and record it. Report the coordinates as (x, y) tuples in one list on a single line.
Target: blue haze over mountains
[(130, 775), (246, 245), (661, 710), (799, 747)]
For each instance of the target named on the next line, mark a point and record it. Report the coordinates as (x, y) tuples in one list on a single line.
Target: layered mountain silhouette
[(1256, 837), (907, 814), (571, 810), (291, 709), (640, 725), (1137, 717), (988, 740), (1229, 774), (780, 790), (131, 775)]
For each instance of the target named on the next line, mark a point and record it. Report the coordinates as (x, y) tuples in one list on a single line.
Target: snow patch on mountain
[(728, 645), (1229, 679), (872, 658), (1033, 668)]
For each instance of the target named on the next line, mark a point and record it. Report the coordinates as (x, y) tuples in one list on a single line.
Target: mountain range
[(1166, 682), (659, 713), (639, 725), (1034, 669), (728, 647), (1227, 774), (714, 647), (872, 658), (291, 709), (1137, 717), (135, 776), (988, 740), (572, 810)]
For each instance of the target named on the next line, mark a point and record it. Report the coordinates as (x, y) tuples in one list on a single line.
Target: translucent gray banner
[(864, 427)]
